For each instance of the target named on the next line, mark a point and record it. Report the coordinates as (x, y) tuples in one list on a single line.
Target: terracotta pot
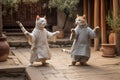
[(112, 38), (4, 49), (108, 50)]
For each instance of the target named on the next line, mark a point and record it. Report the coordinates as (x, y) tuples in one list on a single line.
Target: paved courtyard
[(99, 68)]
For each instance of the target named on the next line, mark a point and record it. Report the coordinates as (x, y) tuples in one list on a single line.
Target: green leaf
[(61, 5)]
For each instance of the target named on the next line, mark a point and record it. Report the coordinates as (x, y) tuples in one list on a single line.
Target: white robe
[(38, 40)]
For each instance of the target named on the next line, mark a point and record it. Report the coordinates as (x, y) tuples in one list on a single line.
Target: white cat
[(38, 40)]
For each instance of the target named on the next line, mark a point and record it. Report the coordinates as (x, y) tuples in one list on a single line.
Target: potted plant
[(114, 37), (68, 7), (114, 24)]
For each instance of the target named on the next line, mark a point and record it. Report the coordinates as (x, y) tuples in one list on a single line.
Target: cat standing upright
[(81, 34), (38, 40)]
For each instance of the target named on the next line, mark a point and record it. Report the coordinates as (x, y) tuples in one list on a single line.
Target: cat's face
[(80, 20), (41, 22)]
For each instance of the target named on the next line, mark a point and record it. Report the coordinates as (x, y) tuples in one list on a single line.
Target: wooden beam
[(1, 26), (115, 15), (96, 22), (115, 9), (85, 7), (89, 13), (103, 26)]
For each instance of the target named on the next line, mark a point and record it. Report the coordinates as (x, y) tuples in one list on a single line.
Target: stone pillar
[(96, 23), (103, 26)]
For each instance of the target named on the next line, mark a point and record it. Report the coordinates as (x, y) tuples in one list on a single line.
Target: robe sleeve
[(75, 35), (76, 30), (52, 35), (30, 38), (91, 33)]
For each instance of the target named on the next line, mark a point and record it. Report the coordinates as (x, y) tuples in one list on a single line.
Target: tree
[(113, 23), (67, 6), (10, 3)]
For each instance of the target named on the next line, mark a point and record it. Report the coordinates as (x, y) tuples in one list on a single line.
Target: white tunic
[(38, 40), (39, 44)]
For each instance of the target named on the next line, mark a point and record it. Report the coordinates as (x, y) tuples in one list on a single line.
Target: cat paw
[(57, 32), (30, 65)]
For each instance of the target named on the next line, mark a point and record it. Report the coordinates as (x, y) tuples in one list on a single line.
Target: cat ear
[(84, 16), (45, 17), (77, 15), (37, 17)]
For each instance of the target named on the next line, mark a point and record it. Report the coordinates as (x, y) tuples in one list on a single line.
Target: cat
[(38, 40), (81, 35)]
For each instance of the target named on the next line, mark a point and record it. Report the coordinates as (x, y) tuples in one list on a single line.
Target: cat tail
[(66, 51)]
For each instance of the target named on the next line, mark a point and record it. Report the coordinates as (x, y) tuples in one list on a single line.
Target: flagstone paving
[(99, 68)]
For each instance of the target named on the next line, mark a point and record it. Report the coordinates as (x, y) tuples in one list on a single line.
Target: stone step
[(21, 41), (15, 32)]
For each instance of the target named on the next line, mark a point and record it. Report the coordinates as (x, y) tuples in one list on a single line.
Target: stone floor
[(99, 68)]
